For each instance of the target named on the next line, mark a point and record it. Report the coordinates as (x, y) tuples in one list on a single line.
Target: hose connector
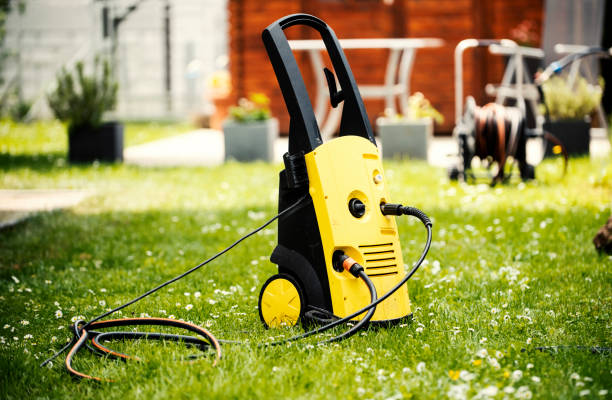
[(342, 262), (398, 209)]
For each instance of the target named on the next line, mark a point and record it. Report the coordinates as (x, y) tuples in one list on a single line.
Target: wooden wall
[(451, 20)]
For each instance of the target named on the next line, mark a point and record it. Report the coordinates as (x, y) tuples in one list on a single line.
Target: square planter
[(574, 134), (405, 138), (250, 141), (104, 143)]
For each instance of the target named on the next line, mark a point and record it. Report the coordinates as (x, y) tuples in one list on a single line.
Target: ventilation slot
[(379, 259)]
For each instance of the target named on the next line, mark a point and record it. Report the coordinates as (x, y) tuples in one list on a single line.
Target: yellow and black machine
[(350, 221)]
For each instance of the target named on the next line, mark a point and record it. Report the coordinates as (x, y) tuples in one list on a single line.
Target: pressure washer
[(338, 243)]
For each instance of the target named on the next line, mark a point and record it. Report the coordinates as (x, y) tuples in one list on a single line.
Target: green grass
[(514, 264)]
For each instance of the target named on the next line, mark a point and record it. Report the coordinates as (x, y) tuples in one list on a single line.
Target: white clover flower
[(24, 322), (523, 392), (482, 353), (59, 314), (457, 392), (188, 307), (493, 362), (420, 367), (517, 375), (466, 375), (509, 389), (489, 391)]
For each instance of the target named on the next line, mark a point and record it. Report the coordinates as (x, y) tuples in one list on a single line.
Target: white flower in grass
[(188, 307), (489, 391), (458, 392), (499, 354), (211, 301), (529, 366), (493, 362), (24, 322), (483, 340), (482, 353), (14, 278), (187, 294), (197, 294), (6, 326), (584, 392), (171, 316), (102, 303), (405, 370), (588, 379), (59, 314), (360, 391), (517, 375), (419, 329), (420, 367), (493, 323), (466, 376), (523, 392), (28, 336), (528, 341), (574, 376), (494, 310), (536, 379), (579, 384), (602, 392), (509, 389)]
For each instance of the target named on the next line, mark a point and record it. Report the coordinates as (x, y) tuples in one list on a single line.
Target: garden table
[(397, 75)]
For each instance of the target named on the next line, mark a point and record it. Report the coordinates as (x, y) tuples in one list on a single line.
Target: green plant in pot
[(250, 131), (568, 111), (408, 135), (81, 100)]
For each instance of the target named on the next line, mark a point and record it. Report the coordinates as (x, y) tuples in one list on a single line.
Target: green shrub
[(81, 100), (564, 102)]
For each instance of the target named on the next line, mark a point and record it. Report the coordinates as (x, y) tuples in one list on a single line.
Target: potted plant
[(408, 135), (249, 132), (568, 113), (81, 101)]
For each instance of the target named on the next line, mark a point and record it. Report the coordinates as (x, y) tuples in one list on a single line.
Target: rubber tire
[(298, 288)]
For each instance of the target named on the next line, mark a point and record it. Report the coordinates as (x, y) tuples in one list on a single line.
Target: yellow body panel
[(339, 170)]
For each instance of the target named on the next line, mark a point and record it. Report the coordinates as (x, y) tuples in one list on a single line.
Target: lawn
[(510, 269)]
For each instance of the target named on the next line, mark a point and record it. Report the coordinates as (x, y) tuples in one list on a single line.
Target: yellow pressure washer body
[(345, 180)]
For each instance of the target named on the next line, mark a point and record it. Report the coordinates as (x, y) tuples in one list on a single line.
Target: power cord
[(82, 333)]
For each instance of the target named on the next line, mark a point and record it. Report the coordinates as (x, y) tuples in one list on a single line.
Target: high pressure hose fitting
[(398, 209), (342, 262)]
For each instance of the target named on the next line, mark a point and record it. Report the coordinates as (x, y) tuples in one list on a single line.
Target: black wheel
[(281, 302)]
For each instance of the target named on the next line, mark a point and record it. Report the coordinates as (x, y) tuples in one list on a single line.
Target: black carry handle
[(304, 132)]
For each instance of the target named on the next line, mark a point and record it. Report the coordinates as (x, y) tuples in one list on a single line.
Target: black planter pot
[(574, 134), (104, 143)]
